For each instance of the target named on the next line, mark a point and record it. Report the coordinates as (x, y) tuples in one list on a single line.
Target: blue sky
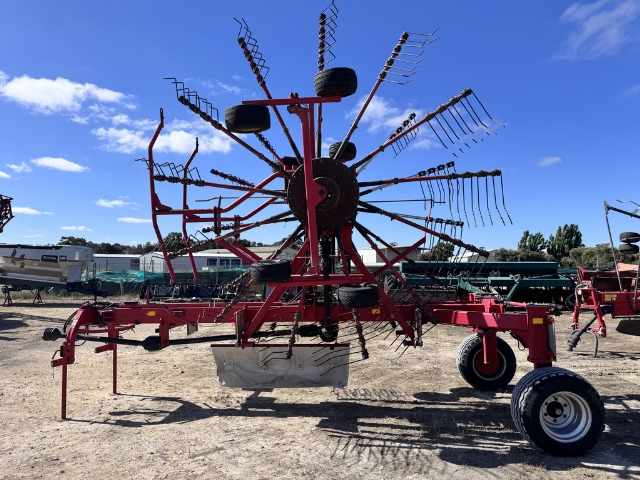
[(81, 87)]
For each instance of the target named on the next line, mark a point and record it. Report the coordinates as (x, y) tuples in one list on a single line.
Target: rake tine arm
[(446, 238), (249, 47), (388, 65), (429, 116)]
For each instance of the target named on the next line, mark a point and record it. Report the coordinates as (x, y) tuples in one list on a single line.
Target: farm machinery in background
[(325, 306), (609, 292)]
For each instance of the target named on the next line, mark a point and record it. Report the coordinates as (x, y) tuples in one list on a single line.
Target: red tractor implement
[(325, 304)]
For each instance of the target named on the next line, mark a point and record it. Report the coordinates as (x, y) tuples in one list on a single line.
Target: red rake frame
[(104, 323)]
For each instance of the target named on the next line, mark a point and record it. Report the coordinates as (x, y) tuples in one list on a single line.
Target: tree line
[(566, 248), (174, 241)]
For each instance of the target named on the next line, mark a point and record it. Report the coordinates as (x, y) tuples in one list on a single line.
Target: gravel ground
[(400, 417)]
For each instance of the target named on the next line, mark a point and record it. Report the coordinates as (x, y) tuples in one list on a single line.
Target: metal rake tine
[(429, 123), (452, 129), (495, 199), (472, 118), (503, 204), (465, 124), (478, 117), (461, 128), (479, 207), (447, 134), (464, 203), (473, 210), (485, 110), (486, 187)]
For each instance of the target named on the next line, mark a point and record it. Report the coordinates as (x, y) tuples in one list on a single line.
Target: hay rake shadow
[(326, 298)]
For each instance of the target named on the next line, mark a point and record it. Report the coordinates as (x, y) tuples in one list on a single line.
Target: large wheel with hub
[(339, 81), (247, 118), (470, 360), (342, 194), (558, 411)]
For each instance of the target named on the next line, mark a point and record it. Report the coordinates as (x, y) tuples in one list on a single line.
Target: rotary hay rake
[(325, 304)]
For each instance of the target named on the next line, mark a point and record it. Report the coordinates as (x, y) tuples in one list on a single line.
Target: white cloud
[(425, 143), (59, 164), (23, 167), (60, 95), (29, 211), (80, 228), (599, 31), (133, 220), (238, 78), (547, 161), (31, 236), (635, 90), (113, 203), (217, 87), (4, 175), (180, 138), (381, 114)]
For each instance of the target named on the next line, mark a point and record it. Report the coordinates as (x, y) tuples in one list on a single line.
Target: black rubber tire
[(247, 118), (534, 394), (628, 248), (570, 302), (266, 271), (339, 81), (359, 296), (471, 350), (290, 162), (349, 153), (630, 237)]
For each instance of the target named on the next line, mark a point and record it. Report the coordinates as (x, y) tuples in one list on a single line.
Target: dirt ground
[(400, 417)]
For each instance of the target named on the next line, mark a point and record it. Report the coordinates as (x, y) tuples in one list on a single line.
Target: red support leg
[(37, 298), (8, 302)]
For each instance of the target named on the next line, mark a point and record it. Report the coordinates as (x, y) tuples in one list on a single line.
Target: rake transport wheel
[(265, 271), (349, 153), (247, 118), (630, 237), (628, 248), (339, 81), (570, 301), (558, 411), (291, 163), (470, 360), (359, 296)]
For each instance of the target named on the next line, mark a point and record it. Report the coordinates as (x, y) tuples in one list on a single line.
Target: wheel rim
[(488, 372), (565, 417)]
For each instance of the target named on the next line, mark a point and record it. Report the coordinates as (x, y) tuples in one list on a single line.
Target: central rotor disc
[(341, 202)]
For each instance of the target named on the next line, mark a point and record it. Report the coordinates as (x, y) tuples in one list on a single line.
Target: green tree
[(534, 242), (566, 238), (510, 255), (441, 251), (174, 241)]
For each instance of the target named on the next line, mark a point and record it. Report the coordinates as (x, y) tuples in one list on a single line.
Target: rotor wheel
[(470, 360), (339, 81), (349, 153), (247, 118), (359, 296), (341, 200), (266, 271), (558, 411)]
